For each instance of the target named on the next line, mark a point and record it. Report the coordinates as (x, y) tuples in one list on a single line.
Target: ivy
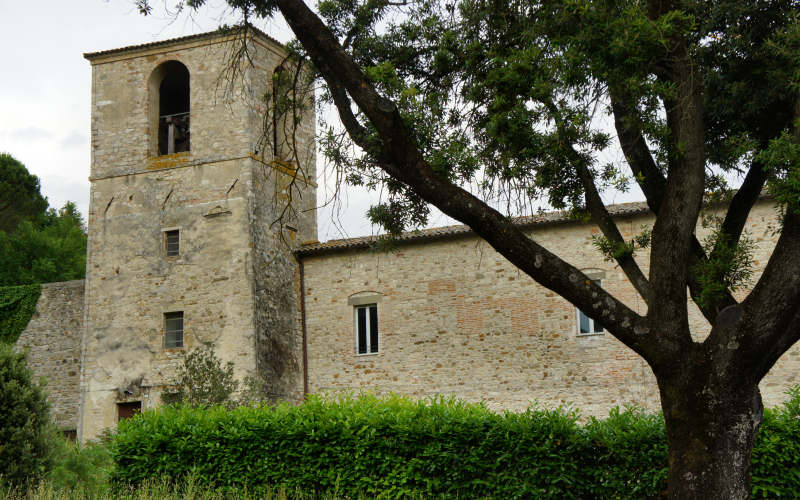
[(17, 304)]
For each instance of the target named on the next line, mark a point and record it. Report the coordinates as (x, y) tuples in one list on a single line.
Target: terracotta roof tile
[(171, 41), (619, 210)]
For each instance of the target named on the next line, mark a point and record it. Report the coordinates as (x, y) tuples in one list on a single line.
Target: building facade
[(191, 243), (184, 248)]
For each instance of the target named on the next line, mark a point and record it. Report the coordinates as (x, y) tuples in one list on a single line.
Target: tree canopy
[(474, 106), (42, 244), (20, 198)]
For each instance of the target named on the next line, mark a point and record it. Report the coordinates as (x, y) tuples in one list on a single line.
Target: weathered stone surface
[(52, 340), (233, 279), (456, 318)]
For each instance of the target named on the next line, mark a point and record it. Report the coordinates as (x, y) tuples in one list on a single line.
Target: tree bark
[(712, 421)]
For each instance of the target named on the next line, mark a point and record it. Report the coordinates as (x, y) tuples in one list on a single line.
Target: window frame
[(369, 308), (592, 323), (168, 331), (165, 232)]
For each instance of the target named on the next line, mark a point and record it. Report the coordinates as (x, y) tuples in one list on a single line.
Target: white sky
[(45, 91)]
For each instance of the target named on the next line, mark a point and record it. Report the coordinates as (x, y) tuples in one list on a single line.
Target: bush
[(84, 469), (203, 380), (26, 434), (775, 465), (393, 447)]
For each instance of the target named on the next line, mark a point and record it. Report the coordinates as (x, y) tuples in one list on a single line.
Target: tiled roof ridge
[(555, 217), (198, 36)]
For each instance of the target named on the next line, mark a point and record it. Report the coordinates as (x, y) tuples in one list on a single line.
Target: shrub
[(83, 469), (393, 447), (628, 453), (26, 433), (775, 465), (203, 380)]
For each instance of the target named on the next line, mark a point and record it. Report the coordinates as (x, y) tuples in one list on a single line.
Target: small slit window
[(172, 242), (173, 330), (366, 319)]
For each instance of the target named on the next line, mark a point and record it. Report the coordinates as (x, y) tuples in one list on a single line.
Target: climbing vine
[(17, 304)]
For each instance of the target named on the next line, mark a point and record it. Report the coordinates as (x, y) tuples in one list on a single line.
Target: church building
[(190, 243)]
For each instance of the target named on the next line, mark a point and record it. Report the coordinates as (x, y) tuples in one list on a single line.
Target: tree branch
[(602, 218), (339, 70), (775, 300), (740, 206), (599, 213), (653, 185)]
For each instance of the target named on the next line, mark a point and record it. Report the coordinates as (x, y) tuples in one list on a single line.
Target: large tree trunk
[(712, 422)]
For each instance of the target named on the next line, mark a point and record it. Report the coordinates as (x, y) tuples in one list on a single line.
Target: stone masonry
[(233, 277), (457, 318), (52, 340)]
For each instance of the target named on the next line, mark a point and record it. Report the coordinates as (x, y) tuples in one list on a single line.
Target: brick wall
[(457, 318)]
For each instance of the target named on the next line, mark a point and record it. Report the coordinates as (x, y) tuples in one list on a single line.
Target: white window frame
[(368, 336), (592, 323)]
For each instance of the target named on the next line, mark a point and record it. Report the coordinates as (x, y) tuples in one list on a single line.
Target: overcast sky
[(45, 91)]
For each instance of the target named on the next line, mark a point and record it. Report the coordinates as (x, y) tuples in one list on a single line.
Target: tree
[(51, 250), (20, 198), (203, 380), (25, 428), (441, 100)]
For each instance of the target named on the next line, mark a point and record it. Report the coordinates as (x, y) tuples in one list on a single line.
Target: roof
[(174, 41), (445, 232)]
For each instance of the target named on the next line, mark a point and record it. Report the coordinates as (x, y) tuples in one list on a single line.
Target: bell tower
[(193, 215)]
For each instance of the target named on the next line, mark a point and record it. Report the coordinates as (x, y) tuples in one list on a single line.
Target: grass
[(147, 491), (82, 473)]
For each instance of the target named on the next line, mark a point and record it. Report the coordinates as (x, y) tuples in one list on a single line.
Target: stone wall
[(282, 216), (52, 340), (229, 274), (457, 318)]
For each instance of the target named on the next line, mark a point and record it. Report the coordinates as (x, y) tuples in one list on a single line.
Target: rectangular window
[(172, 242), (128, 410), (173, 330), (586, 325), (366, 329)]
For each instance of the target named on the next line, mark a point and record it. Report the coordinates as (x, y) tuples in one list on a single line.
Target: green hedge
[(17, 305), (394, 447)]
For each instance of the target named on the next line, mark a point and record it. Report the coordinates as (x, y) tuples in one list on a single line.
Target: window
[(173, 330), (128, 410), (586, 325), (172, 242), (169, 95), (366, 319)]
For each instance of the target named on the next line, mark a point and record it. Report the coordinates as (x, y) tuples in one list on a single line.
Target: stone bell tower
[(195, 206)]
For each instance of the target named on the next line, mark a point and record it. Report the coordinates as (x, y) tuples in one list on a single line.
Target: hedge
[(393, 447)]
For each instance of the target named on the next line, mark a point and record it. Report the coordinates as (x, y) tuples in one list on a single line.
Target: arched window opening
[(171, 80)]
